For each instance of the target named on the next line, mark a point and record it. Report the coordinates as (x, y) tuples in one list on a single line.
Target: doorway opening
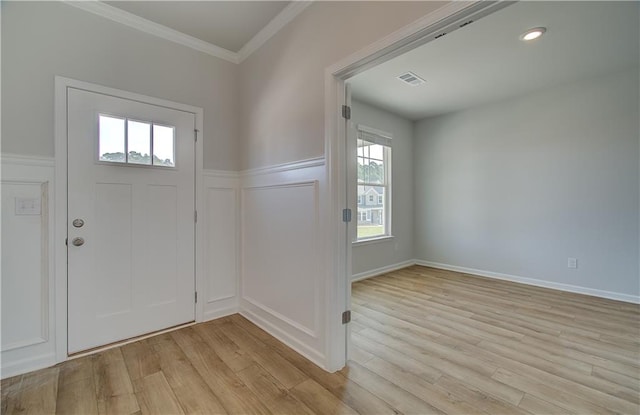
[(481, 150)]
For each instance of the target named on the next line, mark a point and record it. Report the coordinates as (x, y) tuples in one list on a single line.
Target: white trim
[(284, 337), (60, 218), (26, 160), (28, 365), (535, 282), (411, 36), (279, 316), (130, 340), (219, 313), (285, 16), (369, 241), (221, 174), (276, 168), (382, 270), (375, 131), (35, 353), (338, 259), (147, 26), (139, 23)]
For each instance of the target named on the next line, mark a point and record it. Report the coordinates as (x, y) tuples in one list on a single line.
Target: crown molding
[(134, 21), (285, 16), (129, 19)]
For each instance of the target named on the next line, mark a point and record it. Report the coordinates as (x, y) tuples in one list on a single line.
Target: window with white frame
[(126, 141), (374, 183)]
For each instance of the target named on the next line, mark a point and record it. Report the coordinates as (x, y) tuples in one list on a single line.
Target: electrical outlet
[(572, 263)]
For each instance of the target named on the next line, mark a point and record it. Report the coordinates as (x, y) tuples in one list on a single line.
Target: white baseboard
[(285, 338), (383, 270), (29, 364), (221, 312), (535, 282)]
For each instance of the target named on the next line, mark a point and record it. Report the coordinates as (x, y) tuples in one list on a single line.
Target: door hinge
[(196, 296), (195, 216), (66, 241), (346, 112), (346, 215), (195, 135), (346, 317)]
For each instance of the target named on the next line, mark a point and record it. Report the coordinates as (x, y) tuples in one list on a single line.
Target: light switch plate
[(27, 206)]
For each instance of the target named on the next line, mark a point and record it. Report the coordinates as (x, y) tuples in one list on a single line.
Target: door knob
[(77, 241)]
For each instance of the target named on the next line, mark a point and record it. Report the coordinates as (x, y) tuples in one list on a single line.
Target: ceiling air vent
[(411, 79)]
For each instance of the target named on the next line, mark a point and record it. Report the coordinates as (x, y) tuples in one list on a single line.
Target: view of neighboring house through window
[(374, 185)]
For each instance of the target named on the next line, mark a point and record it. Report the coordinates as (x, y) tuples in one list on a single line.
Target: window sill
[(373, 240)]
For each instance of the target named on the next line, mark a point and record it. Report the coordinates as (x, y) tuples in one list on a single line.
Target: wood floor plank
[(424, 341), (394, 395), (38, 392), (114, 390), (539, 406), (271, 392), (615, 377), (232, 355), (556, 396), (276, 365), (235, 396), (141, 359), (554, 373), (417, 367), (359, 355), (76, 389), (10, 391), (459, 371), (320, 400), (190, 389), (349, 392), (478, 399), (420, 388), (155, 396)]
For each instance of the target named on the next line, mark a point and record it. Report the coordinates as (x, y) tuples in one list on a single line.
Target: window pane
[(139, 142), (376, 152), (111, 139), (163, 148), (361, 177), (371, 212), (370, 163)]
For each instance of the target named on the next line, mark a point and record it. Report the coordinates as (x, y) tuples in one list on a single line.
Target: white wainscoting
[(283, 272), (281, 209), (221, 244), (28, 315)]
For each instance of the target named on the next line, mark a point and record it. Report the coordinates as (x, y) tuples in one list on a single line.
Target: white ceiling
[(227, 24), (486, 62)]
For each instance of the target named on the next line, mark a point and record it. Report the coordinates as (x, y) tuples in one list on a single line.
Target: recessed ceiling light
[(533, 34)]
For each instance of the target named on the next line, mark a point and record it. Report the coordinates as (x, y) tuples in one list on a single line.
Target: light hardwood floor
[(424, 341)]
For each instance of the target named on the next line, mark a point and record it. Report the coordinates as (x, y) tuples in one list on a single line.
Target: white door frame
[(443, 20), (60, 212)]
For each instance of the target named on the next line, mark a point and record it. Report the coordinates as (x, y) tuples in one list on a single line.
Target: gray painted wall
[(517, 187), (44, 39), (377, 254), (282, 88)]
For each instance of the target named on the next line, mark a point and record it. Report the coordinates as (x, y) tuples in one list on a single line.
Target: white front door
[(131, 204)]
